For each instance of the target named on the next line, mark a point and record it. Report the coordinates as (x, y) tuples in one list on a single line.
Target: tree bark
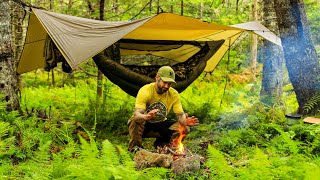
[(299, 52), (181, 8), (100, 75), (272, 57), (254, 46), (8, 77), (18, 15)]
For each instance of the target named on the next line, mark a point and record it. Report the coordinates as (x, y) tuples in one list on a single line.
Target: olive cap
[(166, 73)]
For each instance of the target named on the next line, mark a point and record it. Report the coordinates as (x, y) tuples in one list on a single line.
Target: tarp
[(79, 39)]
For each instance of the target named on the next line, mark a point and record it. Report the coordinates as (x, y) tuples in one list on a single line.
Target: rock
[(145, 159), (186, 164)]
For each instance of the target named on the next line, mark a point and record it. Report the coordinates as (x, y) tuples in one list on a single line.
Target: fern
[(154, 173), (109, 154), (40, 166), (6, 142), (312, 103), (259, 166), (218, 164), (285, 145)]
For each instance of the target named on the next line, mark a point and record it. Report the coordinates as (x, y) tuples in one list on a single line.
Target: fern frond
[(89, 149), (218, 164), (260, 165), (126, 159), (154, 173), (5, 142), (109, 154), (313, 102)]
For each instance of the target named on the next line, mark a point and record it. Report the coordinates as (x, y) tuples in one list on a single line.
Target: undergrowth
[(71, 136)]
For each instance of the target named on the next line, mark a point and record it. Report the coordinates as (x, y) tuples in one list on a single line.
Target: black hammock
[(131, 78)]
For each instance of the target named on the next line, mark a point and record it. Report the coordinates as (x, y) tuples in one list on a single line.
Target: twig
[(123, 12), (26, 5), (175, 153), (141, 10), (189, 151)]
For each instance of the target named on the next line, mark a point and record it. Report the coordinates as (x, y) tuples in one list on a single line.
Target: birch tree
[(8, 77)]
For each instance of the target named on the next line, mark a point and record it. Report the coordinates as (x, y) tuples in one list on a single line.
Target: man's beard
[(160, 90)]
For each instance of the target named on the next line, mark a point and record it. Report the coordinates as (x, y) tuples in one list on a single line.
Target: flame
[(177, 142)]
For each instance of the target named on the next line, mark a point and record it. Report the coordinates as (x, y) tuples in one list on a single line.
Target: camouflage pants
[(162, 131)]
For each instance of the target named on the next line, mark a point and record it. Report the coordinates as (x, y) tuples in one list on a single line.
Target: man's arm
[(140, 116)]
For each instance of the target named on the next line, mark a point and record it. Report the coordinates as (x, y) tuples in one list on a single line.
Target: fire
[(177, 142)]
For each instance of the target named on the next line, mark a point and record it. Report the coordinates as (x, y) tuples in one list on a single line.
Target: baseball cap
[(166, 73)]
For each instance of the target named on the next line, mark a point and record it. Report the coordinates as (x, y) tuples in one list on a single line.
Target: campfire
[(176, 156), (177, 142), (177, 148)]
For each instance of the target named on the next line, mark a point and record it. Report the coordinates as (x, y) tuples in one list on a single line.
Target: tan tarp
[(79, 39)]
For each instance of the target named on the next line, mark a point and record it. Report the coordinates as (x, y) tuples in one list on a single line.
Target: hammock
[(131, 78)]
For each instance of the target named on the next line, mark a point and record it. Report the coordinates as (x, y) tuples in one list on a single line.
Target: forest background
[(75, 125)]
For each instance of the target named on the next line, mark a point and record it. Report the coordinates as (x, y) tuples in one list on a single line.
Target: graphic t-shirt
[(148, 95)]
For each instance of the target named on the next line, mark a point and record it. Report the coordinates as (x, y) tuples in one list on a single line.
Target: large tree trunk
[(8, 78), (272, 56), (300, 55)]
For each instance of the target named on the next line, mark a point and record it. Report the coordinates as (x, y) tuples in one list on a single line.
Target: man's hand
[(151, 114), (191, 121)]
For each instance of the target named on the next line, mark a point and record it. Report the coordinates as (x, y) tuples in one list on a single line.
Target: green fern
[(109, 154), (312, 103), (259, 166), (6, 142), (218, 164)]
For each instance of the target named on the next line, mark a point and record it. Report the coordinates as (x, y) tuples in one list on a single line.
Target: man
[(153, 103)]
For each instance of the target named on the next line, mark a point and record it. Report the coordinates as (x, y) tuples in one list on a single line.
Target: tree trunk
[(201, 10), (8, 78), (100, 75), (18, 15), (272, 57), (158, 6), (254, 46), (181, 12), (53, 82), (299, 52)]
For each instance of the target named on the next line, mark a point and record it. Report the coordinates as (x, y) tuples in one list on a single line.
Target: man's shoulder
[(147, 86), (146, 89), (173, 92)]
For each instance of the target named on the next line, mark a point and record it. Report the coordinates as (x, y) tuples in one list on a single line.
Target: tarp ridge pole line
[(227, 69)]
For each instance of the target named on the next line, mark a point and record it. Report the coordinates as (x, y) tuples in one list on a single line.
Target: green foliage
[(218, 164), (312, 6), (6, 141), (243, 138), (313, 104)]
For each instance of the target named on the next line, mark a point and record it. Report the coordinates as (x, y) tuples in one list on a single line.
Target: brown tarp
[(79, 39)]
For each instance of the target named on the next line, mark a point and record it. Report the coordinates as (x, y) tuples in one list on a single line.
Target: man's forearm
[(139, 115), (181, 118)]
